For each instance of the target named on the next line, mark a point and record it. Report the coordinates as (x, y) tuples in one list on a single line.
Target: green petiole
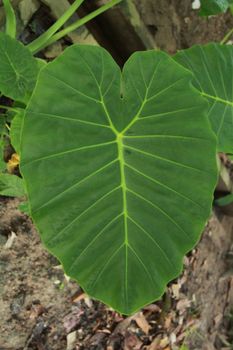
[(41, 42), (10, 19), (11, 109), (228, 199), (73, 26), (227, 37)]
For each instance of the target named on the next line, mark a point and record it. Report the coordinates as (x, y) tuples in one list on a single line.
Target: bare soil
[(175, 26), (42, 310)]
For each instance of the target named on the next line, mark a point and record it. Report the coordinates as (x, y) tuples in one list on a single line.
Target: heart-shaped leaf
[(120, 170), (212, 66), (18, 69)]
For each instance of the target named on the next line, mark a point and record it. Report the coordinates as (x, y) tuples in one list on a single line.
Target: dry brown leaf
[(132, 342), (71, 340), (142, 323), (164, 342), (172, 338), (123, 325), (79, 297), (13, 163), (88, 301), (155, 343), (54, 50), (182, 305), (218, 319), (10, 240), (152, 308), (175, 290), (168, 321), (37, 310)]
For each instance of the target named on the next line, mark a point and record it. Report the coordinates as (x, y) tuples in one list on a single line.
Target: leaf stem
[(10, 19), (80, 23), (227, 37), (7, 126), (41, 42), (11, 109)]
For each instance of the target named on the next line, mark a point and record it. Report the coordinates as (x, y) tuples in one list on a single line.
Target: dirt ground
[(42, 310), (174, 26)]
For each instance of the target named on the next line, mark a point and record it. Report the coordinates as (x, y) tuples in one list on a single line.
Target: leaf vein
[(94, 239), (153, 240), (163, 185), (85, 211), (164, 159), (160, 209), (75, 185)]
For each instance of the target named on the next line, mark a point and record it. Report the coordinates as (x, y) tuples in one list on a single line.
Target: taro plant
[(135, 161), (120, 166)]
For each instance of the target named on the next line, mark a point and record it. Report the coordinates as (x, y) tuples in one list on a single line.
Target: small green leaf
[(212, 67), (184, 347), (24, 208), (213, 7), (120, 170), (226, 200), (10, 18), (11, 185), (18, 70)]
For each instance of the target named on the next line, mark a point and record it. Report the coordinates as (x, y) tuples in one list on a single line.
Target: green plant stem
[(227, 37), (11, 109), (7, 126), (80, 22), (10, 19), (41, 42)]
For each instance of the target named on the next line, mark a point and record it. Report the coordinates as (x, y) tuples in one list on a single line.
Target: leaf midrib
[(120, 146), (218, 99), (125, 209)]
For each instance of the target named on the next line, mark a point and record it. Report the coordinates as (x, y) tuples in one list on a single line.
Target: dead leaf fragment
[(142, 323), (132, 342), (10, 240), (27, 8), (13, 163), (168, 321), (182, 305), (37, 310), (155, 343), (71, 340), (164, 342), (175, 290)]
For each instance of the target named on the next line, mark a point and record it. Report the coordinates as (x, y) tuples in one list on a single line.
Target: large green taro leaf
[(212, 66), (18, 69), (120, 173)]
